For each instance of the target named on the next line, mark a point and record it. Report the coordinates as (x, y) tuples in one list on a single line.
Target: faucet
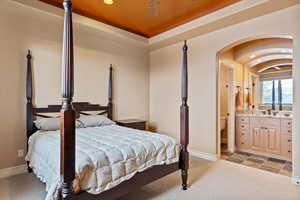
[(269, 111)]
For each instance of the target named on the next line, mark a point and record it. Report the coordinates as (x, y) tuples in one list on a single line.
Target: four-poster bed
[(68, 138)]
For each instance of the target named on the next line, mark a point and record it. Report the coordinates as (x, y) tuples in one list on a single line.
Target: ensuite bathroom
[(256, 104)]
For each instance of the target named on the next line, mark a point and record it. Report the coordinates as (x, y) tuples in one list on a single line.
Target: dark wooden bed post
[(110, 94), (68, 115), (184, 121), (29, 105)]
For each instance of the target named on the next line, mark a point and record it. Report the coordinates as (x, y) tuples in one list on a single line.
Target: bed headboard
[(80, 107)]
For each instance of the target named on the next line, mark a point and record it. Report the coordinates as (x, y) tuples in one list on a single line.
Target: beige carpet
[(220, 180)]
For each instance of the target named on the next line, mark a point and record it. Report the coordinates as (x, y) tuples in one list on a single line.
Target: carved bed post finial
[(68, 57), (67, 168), (110, 93), (29, 106), (184, 79), (29, 78), (184, 120)]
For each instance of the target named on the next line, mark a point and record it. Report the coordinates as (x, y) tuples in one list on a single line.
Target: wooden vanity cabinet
[(242, 132), (286, 138), (286, 146), (266, 136), (257, 141), (272, 136)]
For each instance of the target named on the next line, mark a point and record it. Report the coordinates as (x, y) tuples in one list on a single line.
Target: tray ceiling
[(134, 15)]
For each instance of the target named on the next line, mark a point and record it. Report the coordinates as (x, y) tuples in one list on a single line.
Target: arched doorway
[(255, 99)]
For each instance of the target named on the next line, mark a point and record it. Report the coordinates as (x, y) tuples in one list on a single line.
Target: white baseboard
[(12, 171), (296, 180), (203, 155)]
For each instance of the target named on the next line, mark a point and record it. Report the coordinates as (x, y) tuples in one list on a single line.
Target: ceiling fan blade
[(153, 7)]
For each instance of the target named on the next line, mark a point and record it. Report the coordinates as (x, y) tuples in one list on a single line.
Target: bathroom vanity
[(264, 135)]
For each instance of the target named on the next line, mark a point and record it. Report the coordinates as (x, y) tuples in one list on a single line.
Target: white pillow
[(48, 124), (52, 124), (95, 120)]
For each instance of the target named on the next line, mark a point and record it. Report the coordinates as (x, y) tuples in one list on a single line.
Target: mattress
[(105, 156)]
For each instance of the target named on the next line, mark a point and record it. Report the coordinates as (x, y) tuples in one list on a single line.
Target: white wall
[(165, 64), (24, 28)]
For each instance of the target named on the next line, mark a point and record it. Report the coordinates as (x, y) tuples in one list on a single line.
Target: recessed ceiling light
[(252, 56), (108, 2), (283, 51)]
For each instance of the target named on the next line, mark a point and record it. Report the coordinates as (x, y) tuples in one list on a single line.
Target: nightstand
[(132, 123)]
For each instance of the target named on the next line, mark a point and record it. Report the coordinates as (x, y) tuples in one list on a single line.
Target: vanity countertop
[(278, 116)]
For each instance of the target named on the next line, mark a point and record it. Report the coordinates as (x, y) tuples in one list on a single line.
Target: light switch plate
[(21, 153)]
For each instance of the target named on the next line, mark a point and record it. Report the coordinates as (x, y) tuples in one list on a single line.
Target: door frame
[(231, 107), (295, 127), (256, 92)]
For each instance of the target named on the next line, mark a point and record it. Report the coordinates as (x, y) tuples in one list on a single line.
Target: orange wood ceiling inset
[(133, 15)]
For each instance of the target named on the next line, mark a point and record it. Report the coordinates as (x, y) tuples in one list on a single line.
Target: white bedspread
[(105, 156)]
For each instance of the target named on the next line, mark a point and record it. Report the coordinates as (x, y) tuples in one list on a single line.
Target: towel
[(249, 99), (238, 102)]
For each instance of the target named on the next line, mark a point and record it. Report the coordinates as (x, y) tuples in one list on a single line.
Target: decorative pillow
[(95, 120), (52, 124), (48, 124)]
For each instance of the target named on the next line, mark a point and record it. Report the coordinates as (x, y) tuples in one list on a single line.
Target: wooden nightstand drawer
[(132, 123)]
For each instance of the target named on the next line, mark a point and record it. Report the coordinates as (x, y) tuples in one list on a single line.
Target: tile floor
[(261, 162)]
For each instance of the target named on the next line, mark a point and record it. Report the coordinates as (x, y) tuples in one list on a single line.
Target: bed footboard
[(139, 180)]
